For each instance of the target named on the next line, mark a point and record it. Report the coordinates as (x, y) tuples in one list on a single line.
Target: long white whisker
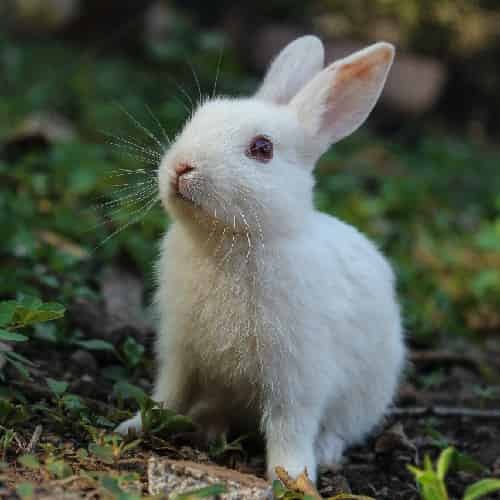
[(184, 93), (139, 217), (160, 126), (123, 172), (140, 126), (219, 63), (126, 142), (150, 187), (197, 82), (149, 162)]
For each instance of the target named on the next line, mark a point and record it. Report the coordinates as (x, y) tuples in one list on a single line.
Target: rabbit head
[(247, 162)]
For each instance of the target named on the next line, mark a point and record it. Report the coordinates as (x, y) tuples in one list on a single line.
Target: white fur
[(272, 314)]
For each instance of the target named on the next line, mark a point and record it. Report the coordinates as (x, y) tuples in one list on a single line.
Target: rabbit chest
[(218, 311)]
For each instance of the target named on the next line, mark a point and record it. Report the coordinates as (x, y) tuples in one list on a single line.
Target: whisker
[(160, 126), (140, 126), (127, 142), (197, 81), (123, 172), (151, 163), (127, 186), (219, 63), (184, 93), (127, 197), (124, 192), (144, 211), (125, 210)]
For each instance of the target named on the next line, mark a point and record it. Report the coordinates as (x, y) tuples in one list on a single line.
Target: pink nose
[(182, 168)]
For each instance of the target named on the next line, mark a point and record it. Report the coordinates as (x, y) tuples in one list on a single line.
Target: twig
[(442, 357), (445, 411), (34, 439)]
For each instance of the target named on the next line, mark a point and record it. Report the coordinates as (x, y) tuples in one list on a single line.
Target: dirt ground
[(449, 397)]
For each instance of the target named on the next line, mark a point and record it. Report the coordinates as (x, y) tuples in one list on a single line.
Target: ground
[(442, 402)]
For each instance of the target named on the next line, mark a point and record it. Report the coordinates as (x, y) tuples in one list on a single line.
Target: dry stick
[(302, 484), (445, 411), (34, 439), (440, 356)]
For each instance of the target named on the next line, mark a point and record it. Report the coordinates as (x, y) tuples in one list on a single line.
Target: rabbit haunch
[(274, 316)]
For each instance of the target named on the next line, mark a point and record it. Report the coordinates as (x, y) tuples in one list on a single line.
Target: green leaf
[(279, 489), (111, 484), (60, 469), (58, 387), (444, 462), (103, 453), (171, 424), (96, 345), (29, 461), (12, 337), (207, 491), (133, 352), (26, 491), (12, 414), (29, 302), (124, 390), (31, 310), (481, 488), (19, 367), (132, 445), (73, 403), (18, 357), (7, 310)]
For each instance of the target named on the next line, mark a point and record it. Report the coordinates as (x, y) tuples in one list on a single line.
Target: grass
[(431, 479)]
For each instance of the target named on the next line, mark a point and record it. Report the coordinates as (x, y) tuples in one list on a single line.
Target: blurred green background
[(422, 178)]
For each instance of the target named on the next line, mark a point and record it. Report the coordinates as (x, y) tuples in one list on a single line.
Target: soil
[(448, 398)]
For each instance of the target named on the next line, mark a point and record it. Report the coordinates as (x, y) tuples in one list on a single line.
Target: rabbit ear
[(294, 66), (340, 98)]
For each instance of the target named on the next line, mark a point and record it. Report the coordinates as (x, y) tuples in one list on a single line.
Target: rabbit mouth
[(180, 192)]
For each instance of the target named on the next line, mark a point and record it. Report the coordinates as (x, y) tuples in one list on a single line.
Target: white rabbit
[(274, 316)]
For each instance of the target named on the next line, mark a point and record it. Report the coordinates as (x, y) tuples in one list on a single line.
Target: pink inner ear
[(355, 87), (363, 69)]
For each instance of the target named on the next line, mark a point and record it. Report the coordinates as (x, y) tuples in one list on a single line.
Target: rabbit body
[(272, 315), (303, 339)]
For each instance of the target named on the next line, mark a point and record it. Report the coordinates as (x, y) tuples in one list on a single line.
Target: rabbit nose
[(180, 169)]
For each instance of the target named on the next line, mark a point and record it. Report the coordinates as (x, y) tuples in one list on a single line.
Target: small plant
[(221, 446), (7, 437), (485, 393), (214, 490), (431, 480), (110, 448), (56, 467), (112, 488), (156, 420), (159, 420), (15, 315)]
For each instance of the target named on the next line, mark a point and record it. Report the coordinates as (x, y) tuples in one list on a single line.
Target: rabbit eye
[(260, 149)]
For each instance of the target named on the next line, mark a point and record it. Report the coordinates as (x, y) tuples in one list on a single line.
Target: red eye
[(260, 149)]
